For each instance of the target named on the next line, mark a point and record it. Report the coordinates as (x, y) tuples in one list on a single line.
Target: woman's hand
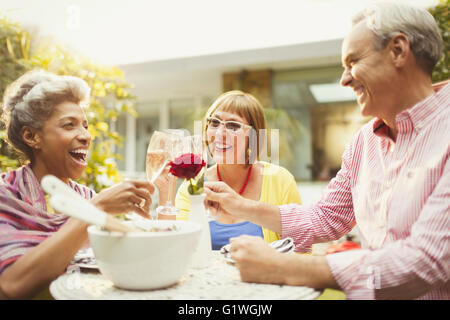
[(131, 195), (162, 181), (167, 186)]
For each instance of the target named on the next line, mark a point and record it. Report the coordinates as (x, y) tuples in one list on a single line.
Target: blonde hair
[(248, 107), (31, 99), (386, 20)]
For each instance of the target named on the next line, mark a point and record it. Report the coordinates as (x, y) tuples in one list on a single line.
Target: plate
[(285, 245)]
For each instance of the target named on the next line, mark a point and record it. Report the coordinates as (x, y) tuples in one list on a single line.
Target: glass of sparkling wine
[(168, 210), (158, 154)]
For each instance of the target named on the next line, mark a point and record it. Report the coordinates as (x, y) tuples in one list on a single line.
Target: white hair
[(386, 19), (31, 99)]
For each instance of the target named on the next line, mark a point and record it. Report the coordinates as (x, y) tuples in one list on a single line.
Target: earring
[(249, 152)]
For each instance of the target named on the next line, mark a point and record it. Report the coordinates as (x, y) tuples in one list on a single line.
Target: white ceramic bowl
[(145, 260)]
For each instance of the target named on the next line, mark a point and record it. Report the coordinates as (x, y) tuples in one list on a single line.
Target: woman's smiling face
[(226, 145), (64, 141)]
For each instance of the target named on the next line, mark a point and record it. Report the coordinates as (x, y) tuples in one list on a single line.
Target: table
[(219, 281)]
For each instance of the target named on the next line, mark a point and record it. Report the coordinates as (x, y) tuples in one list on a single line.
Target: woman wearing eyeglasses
[(233, 123)]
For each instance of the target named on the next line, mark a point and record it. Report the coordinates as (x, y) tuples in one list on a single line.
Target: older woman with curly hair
[(45, 122)]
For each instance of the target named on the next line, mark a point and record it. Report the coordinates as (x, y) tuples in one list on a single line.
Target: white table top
[(218, 281)]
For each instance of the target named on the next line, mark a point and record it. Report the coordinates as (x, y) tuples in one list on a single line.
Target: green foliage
[(14, 49), (14, 52), (442, 17), (110, 97)]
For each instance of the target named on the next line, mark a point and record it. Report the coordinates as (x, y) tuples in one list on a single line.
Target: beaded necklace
[(246, 179)]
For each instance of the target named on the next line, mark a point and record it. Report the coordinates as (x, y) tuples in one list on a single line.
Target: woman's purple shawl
[(24, 220)]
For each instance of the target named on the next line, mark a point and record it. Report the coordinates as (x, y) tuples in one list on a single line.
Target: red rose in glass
[(187, 166)]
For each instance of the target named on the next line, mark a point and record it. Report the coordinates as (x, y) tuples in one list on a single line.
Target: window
[(324, 117)]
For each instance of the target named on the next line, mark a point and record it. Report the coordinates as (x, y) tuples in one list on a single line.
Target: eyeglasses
[(231, 126)]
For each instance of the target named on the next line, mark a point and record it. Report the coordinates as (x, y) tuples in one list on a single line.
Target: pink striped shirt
[(398, 193), (24, 218)]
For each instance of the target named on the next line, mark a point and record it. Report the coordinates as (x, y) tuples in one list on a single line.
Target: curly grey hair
[(30, 101), (388, 19)]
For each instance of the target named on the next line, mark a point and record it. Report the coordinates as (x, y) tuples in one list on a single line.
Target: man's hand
[(221, 199), (256, 260), (260, 263), (131, 195)]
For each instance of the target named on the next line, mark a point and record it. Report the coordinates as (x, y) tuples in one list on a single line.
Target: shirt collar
[(380, 128), (418, 115), (424, 111)]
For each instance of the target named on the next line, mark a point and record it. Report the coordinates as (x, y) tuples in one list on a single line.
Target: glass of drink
[(168, 210), (158, 154)]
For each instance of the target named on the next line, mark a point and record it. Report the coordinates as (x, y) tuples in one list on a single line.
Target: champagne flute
[(158, 154), (168, 210)]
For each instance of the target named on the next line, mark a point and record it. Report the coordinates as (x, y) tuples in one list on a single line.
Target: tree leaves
[(441, 14)]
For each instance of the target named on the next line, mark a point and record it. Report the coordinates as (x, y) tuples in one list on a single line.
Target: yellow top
[(49, 207), (278, 187)]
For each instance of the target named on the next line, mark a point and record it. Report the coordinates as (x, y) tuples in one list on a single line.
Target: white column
[(197, 122), (130, 144), (164, 114)]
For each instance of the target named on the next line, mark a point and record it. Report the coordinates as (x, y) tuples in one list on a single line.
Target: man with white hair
[(394, 181)]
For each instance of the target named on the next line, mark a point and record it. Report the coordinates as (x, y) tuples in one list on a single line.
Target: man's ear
[(400, 49), (31, 137)]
